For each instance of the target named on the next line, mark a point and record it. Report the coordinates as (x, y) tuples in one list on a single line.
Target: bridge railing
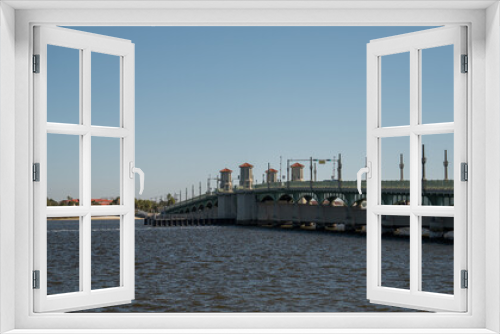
[(191, 201), (389, 184)]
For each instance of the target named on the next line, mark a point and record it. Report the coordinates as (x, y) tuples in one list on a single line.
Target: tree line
[(140, 204)]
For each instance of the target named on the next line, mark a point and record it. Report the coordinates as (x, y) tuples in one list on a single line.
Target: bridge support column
[(246, 209), (227, 206)]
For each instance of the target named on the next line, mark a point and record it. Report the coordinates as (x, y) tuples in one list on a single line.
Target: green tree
[(51, 202)]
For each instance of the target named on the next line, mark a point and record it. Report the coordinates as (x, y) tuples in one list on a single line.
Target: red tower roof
[(297, 165), (271, 170), (246, 164), (226, 170)]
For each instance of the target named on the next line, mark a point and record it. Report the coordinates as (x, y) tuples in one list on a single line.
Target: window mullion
[(85, 176), (415, 248)]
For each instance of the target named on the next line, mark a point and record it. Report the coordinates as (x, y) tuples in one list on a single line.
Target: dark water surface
[(238, 269)]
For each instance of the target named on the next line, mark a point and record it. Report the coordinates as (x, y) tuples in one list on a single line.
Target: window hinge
[(36, 279), (465, 64), (464, 171), (36, 63), (36, 172), (465, 279)]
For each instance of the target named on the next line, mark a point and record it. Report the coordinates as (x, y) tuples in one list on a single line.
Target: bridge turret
[(272, 175), (246, 175), (226, 183), (297, 172)]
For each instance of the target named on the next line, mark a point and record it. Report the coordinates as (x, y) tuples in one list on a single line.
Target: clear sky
[(214, 97)]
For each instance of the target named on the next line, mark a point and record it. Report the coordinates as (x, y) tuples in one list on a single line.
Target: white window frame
[(16, 215)]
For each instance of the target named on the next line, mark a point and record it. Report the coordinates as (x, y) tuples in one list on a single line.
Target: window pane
[(105, 90), (63, 170), (105, 252), (63, 85), (105, 171), (395, 254), (437, 84), (437, 170), (437, 254), (395, 171), (395, 89), (63, 255)]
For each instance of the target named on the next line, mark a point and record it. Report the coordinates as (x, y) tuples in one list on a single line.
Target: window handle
[(368, 171), (139, 171)]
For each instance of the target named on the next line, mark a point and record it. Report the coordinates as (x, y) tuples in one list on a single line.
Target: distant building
[(297, 172), (272, 175), (226, 182), (99, 201), (246, 175)]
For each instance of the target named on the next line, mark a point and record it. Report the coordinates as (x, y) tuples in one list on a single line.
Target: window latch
[(132, 171), (368, 171)]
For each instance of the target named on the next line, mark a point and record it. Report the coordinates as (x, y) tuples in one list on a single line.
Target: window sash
[(86, 297), (413, 43)]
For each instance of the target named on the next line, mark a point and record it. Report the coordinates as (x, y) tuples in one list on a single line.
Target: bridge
[(326, 203), (435, 192)]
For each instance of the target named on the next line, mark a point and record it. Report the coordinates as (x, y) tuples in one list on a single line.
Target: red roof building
[(102, 201), (295, 165), (246, 164), (226, 170), (271, 170)]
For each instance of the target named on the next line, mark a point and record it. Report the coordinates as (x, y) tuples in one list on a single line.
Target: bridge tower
[(226, 183), (297, 172), (246, 175), (272, 175)]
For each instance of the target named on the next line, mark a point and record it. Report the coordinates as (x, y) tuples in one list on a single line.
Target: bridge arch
[(285, 197), (266, 198), (360, 203), (308, 197)]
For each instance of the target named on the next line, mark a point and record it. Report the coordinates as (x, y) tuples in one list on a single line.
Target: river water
[(240, 269)]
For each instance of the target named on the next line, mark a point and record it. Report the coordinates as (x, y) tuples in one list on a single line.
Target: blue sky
[(214, 97)]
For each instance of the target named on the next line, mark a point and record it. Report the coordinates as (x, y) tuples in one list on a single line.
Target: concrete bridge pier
[(296, 217), (320, 217), (227, 207), (246, 209)]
